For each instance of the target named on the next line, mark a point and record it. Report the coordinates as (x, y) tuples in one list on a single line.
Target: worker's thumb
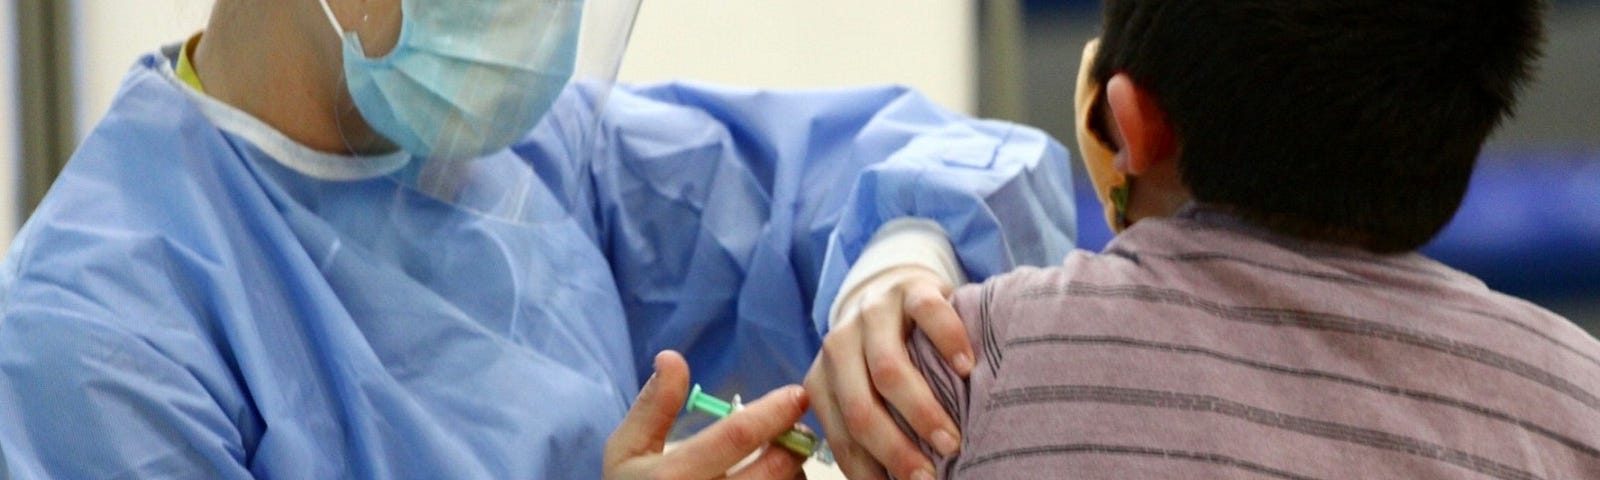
[(644, 431)]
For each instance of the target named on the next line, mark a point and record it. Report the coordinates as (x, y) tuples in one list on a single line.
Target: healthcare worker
[(428, 239)]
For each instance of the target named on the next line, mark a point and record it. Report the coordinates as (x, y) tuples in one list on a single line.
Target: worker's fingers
[(776, 463), (723, 444), (902, 385), (864, 413), (843, 345), (927, 303), (644, 430)]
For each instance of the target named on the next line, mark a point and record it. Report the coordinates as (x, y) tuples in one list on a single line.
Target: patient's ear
[(1146, 138)]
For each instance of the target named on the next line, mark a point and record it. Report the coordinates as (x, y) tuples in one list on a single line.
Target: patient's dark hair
[(1349, 121)]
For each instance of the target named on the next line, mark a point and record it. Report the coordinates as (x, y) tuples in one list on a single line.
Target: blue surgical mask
[(467, 77)]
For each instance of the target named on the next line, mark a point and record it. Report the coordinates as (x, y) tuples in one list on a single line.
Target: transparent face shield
[(469, 78), (485, 263), (603, 39)]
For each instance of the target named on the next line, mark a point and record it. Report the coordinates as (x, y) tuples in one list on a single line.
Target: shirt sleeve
[(953, 392), (731, 216)]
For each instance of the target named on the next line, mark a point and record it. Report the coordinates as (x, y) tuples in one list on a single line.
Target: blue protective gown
[(185, 305)]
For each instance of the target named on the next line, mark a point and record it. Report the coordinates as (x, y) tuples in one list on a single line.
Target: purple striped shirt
[(1201, 347)]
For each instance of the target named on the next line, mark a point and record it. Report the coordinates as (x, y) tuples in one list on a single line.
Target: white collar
[(292, 154)]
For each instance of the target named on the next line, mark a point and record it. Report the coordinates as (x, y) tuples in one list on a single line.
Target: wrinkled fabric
[(981, 182), (1203, 346), (185, 305)]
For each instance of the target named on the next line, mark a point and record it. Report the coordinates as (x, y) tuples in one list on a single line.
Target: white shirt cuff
[(906, 241)]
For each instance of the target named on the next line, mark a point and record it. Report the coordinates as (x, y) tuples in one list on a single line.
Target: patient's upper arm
[(950, 389)]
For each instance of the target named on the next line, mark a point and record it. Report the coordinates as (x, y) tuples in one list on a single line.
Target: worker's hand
[(635, 448), (865, 357)]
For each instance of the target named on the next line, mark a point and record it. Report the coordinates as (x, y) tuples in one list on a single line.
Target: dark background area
[(1531, 223)]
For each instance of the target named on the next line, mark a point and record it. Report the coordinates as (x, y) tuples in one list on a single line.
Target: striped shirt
[(1201, 347)]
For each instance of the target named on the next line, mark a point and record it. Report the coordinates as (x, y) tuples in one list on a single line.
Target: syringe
[(797, 440)]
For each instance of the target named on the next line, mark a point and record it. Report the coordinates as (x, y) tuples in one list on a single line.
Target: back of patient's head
[(1350, 121)]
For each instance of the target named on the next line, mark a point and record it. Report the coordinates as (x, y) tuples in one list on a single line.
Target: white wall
[(112, 34), (765, 43), (930, 45), (10, 126)]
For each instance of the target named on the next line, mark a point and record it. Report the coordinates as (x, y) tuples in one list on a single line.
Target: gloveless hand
[(864, 368), (635, 449)]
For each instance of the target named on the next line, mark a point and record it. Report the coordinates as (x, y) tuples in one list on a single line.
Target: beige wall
[(112, 34), (766, 43), (928, 44)]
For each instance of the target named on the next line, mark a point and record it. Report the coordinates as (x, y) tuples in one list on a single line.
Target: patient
[(1264, 313)]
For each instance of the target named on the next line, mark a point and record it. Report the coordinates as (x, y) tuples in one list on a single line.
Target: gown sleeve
[(81, 396), (730, 215)]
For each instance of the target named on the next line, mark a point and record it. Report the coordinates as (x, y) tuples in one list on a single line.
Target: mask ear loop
[(1119, 196), (332, 19), (341, 87)]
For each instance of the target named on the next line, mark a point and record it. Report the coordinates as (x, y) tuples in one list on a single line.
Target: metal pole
[(44, 69), (1002, 85)]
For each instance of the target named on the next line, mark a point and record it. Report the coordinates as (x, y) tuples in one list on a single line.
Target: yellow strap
[(186, 70)]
